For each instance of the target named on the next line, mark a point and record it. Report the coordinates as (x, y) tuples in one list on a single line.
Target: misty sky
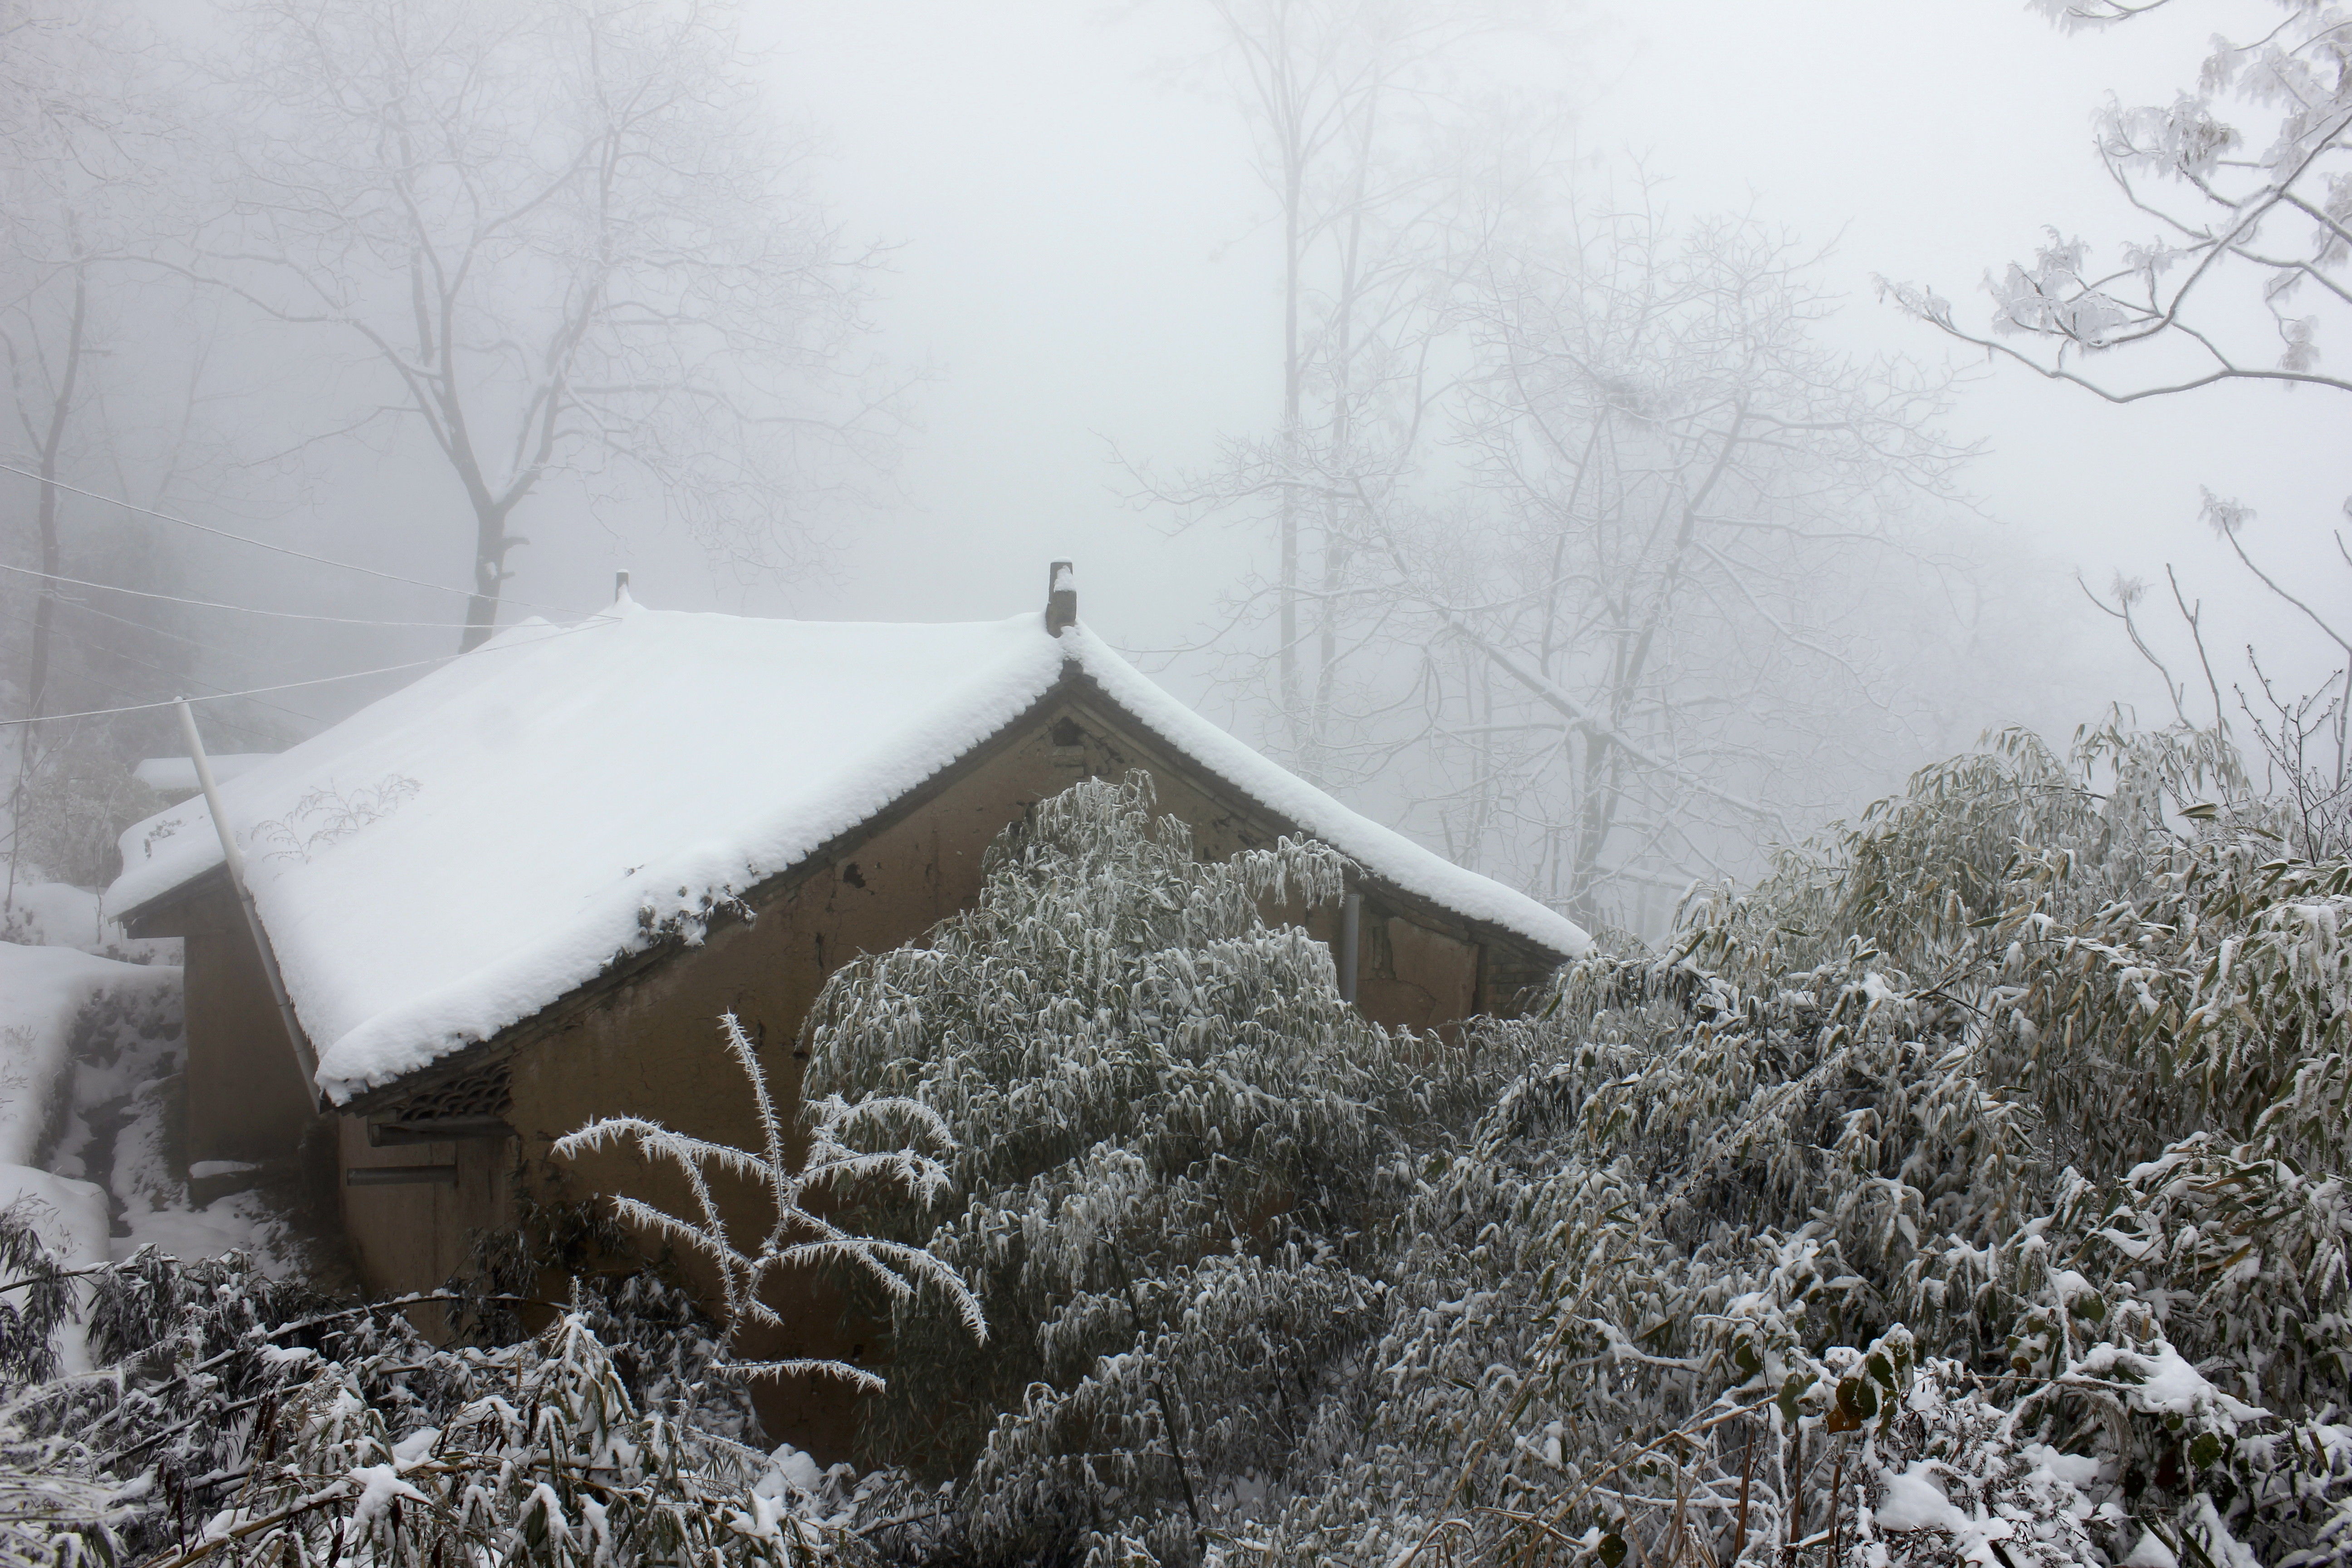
[(1084, 256)]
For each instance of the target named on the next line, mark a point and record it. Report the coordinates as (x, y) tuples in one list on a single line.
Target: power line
[(90, 647), (87, 609), (264, 545), (239, 656), (16, 823), (197, 643), (297, 685), (241, 609)]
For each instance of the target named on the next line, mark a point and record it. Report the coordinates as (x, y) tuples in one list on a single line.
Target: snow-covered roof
[(450, 860), (177, 775)]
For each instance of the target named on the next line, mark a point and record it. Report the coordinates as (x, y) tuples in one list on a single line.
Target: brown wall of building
[(652, 1047), (413, 1235), (246, 1097), (1408, 973)]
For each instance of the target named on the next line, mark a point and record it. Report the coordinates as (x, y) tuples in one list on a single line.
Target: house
[(516, 896)]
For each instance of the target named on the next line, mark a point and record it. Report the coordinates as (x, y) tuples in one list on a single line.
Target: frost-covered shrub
[(1171, 1135), (37, 1300), (1974, 1189), (75, 804), (232, 1418), (235, 1420), (1970, 1189)]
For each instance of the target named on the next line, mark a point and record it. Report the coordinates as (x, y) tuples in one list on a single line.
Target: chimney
[(1061, 598), (620, 587)]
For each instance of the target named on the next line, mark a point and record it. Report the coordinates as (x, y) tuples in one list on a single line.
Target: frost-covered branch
[(2260, 220), (838, 1163)]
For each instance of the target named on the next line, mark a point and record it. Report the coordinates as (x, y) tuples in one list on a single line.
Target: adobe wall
[(652, 1047)]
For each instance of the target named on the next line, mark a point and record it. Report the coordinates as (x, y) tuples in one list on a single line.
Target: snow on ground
[(90, 1048), (453, 859), (45, 993), (89, 1053), (122, 1125), (56, 914)]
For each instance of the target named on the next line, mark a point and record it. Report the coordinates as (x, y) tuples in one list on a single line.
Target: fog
[(1070, 297), (1081, 234)]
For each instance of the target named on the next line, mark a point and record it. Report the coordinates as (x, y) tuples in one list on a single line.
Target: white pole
[(236, 864)]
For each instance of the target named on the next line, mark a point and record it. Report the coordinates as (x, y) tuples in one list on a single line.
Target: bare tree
[(1367, 148), (1580, 541), (2304, 740), (81, 134), (71, 136), (45, 379), (570, 240), (1654, 627)]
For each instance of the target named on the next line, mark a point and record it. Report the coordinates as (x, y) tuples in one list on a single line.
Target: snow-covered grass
[(232, 1418), (73, 1222)]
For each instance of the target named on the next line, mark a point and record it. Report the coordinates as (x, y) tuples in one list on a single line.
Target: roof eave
[(1370, 881), (195, 884)]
